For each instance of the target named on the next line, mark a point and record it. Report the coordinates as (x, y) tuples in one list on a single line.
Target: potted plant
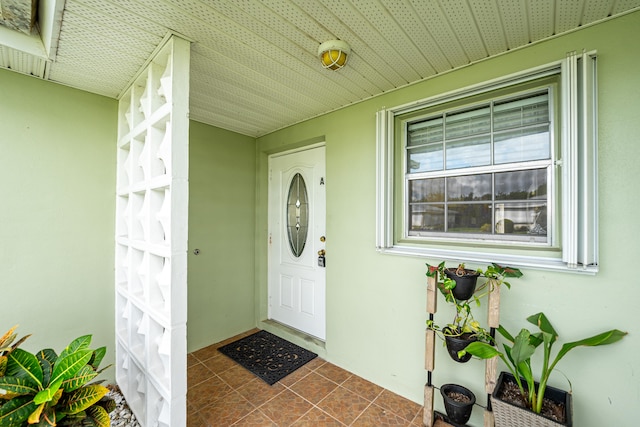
[(464, 328), (517, 356), (47, 389), (465, 279), (458, 402)]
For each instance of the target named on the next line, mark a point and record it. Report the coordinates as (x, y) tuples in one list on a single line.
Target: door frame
[(320, 143)]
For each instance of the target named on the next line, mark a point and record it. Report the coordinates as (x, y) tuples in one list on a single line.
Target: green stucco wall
[(376, 303), (57, 169), (221, 226), (57, 166)]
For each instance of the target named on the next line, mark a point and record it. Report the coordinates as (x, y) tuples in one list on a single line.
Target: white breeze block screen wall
[(151, 238)]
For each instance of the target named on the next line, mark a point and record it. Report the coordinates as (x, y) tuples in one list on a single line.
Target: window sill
[(519, 261)]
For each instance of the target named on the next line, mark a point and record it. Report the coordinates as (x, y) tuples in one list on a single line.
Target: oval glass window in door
[(297, 215)]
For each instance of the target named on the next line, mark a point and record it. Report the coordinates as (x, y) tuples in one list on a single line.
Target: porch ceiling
[(254, 67)]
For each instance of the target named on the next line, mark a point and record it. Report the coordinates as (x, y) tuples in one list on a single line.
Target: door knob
[(321, 252)]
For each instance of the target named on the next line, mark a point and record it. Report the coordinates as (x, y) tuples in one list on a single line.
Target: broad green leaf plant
[(7, 346), (517, 354), (464, 322), (47, 389)]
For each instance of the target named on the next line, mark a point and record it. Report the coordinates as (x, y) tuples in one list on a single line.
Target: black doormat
[(267, 356)]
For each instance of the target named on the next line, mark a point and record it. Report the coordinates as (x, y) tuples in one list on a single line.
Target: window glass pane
[(297, 215), (522, 185), (467, 123), (521, 112), (522, 218), (475, 151), (469, 218), (522, 145), (426, 217), (425, 132), (426, 190), (425, 158), (469, 188), (468, 194)]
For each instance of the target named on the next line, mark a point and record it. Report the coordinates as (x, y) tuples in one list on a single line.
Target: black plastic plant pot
[(507, 414), (465, 284), (458, 410), (456, 343)]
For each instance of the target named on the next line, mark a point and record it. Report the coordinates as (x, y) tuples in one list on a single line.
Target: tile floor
[(319, 394)]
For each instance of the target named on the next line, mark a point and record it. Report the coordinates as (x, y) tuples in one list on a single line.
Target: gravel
[(122, 416)]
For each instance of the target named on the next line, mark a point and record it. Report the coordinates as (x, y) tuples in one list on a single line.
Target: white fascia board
[(50, 23), (30, 44)]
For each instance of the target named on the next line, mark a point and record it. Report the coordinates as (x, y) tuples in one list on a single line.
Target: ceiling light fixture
[(333, 54)]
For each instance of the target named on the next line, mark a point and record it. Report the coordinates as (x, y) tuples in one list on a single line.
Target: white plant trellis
[(151, 238)]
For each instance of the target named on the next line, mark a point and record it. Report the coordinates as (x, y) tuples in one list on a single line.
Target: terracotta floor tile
[(206, 352), (377, 416), (194, 420), (222, 393), (419, 419), (314, 387), (317, 418), (362, 387), (295, 376), (286, 408), (212, 350), (344, 405), (226, 411), (255, 419), (314, 363), (197, 373), (191, 360), (237, 376), (219, 363), (334, 373), (399, 405), (207, 392), (258, 392)]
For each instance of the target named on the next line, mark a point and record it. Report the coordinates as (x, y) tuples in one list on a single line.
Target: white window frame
[(577, 160), (491, 168)]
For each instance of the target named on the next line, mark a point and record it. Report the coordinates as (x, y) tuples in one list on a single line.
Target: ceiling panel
[(459, 15), (362, 51), (568, 15), (487, 18), (405, 16), (542, 19), (24, 63), (434, 18), (515, 22), (254, 66), (373, 20), (594, 9)]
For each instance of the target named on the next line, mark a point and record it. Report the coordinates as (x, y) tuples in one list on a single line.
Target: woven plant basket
[(509, 415)]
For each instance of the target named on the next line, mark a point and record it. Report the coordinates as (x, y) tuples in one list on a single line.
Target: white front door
[(297, 194)]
